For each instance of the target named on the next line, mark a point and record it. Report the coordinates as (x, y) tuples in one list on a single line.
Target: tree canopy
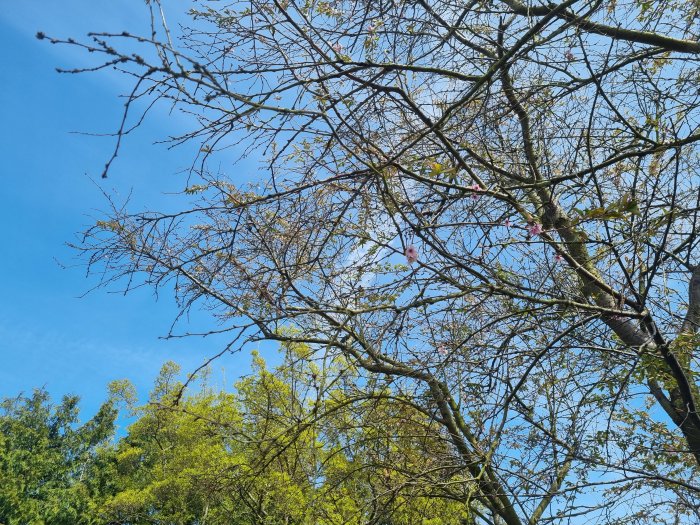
[(48, 464), (241, 457), (487, 208), (250, 457)]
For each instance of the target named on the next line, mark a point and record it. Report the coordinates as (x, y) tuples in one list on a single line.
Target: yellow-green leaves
[(625, 207)]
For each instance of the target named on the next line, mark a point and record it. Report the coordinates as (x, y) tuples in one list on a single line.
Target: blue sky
[(51, 190)]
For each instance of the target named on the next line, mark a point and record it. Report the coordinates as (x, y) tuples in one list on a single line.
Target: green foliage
[(625, 207), (261, 456), (172, 467), (48, 465), (272, 452), (282, 448)]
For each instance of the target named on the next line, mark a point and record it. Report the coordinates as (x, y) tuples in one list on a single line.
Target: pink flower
[(337, 47), (558, 258), (475, 188), (534, 229), (569, 56), (442, 350), (507, 223), (411, 254)]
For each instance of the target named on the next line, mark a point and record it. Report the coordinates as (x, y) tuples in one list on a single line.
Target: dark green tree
[(51, 467)]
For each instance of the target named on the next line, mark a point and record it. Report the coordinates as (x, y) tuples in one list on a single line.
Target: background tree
[(247, 457), (489, 207), (49, 466), (251, 457)]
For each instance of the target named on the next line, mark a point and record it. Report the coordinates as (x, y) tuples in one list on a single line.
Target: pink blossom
[(535, 229), (442, 350), (569, 56), (558, 258), (475, 188), (411, 254), (507, 223), (337, 47)]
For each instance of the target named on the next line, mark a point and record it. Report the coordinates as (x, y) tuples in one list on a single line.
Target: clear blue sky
[(49, 336)]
